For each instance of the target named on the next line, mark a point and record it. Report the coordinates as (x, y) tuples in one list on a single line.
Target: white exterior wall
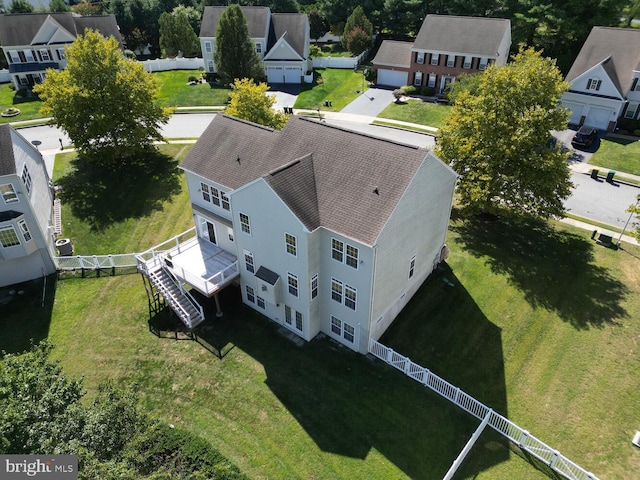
[(195, 194), (418, 226), (208, 56), (634, 95), (359, 278), (270, 219), (503, 49)]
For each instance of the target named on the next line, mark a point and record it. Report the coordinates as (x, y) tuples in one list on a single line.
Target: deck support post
[(218, 309)]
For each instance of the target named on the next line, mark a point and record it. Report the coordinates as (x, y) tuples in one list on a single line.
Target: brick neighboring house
[(281, 41), (325, 229), (445, 47), (27, 240), (34, 42), (605, 79)]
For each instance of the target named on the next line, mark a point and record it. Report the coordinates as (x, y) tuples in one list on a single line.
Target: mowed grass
[(540, 325), (29, 107), (417, 111), (175, 92), (340, 87), (618, 154)]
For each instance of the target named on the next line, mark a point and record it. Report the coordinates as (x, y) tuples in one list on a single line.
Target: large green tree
[(177, 35), (497, 139), (20, 6), (251, 102), (235, 56), (105, 102), (357, 19)]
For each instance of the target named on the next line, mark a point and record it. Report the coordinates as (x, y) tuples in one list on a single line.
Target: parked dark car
[(584, 137)]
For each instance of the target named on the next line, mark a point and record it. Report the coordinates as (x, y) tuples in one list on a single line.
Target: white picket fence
[(527, 442), (164, 64)]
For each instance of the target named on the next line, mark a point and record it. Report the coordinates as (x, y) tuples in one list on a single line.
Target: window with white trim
[(261, 303), (207, 46), (14, 57), (204, 188), (251, 294), (337, 249), (25, 230), (343, 329), (225, 201), (336, 290), (8, 193), (420, 57), (29, 56), (637, 86), (435, 58), (290, 244), (417, 80), (8, 236), (60, 52), (210, 66), (288, 317), (467, 62), (483, 63), (44, 55), (314, 286), (26, 178), (249, 262), (215, 196), (336, 326), (352, 256), (258, 48), (350, 297), (298, 321), (594, 84), (349, 333), (432, 80), (632, 108), (245, 225), (292, 281), (338, 253), (412, 266), (451, 60)]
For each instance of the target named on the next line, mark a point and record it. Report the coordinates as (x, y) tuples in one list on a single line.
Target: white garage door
[(392, 78), (275, 75), (598, 117), (293, 75), (576, 111)]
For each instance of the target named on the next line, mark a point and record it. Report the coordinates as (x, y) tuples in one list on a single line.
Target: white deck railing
[(207, 285), (513, 432), (95, 262), (177, 244)]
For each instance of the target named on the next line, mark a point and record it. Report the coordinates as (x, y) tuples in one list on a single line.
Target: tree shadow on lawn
[(103, 194), (555, 270), (349, 404)]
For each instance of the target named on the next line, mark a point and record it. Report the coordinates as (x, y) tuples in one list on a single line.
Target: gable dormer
[(597, 81), (282, 50), (51, 32)]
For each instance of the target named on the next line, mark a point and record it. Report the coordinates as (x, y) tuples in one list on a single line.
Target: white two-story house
[(604, 79), (34, 42), (333, 231), (27, 240), (281, 41)]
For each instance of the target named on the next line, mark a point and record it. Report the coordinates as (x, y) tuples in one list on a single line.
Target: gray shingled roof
[(257, 18), (7, 160), (618, 49), (21, 28), (472, 35), (294, 26), (325, 174), (394, 53)]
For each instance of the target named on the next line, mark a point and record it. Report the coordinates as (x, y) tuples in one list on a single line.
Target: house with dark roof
[(326, 230), (281, 41), (604, 86), (446, 46), (34, 42), (27, 241)]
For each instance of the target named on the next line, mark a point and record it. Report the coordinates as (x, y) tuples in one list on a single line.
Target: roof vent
[(376, 191), (238, 160)]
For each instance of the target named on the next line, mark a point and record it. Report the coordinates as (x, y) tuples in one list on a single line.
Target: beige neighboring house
[(604, 79), (326, 230), (34, 42), (445, 47), (281, 41)]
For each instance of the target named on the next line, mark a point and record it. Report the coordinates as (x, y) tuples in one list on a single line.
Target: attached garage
[(576, 112), (275, 75), (392, 78), (292, 75), (599, 117)]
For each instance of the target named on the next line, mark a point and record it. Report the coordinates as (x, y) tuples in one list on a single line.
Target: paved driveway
[(286, 94), (370, 103)]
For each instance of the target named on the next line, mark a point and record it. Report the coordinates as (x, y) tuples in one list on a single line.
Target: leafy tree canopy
[(318, 24), (20, 6), (357, 40), (58, 6), (497, 139), (105, 103), (251, 102), (177, 35), (235, 55)]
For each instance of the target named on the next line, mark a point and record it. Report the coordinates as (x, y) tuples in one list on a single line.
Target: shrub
[(398, 93), (315, 51), (637, 132), (428, 91), (12, 87), (129, 54), (192, 79), (409, 89)]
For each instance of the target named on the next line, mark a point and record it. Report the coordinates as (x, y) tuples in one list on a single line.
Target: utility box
[(65, 249)]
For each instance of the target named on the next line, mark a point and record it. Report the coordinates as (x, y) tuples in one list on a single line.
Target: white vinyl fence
[(527, 442), (4, 76), (96, 262), (338, 62), (164, 64)]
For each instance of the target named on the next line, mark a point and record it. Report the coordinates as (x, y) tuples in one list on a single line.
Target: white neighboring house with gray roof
[(333, 231), (604, 79), (27, 241), (34, 42), (281, 41), (445, 47)]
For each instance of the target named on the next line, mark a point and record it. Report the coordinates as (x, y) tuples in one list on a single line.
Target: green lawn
[(334, 50), (540, 325), (417, 111), (174, 90), (618, 154), (340, 87), (29, 108)]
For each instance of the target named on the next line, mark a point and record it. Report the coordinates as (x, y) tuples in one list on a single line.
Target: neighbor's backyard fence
[(96, 263), (338, 62), (164, 64), (510, 430)]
